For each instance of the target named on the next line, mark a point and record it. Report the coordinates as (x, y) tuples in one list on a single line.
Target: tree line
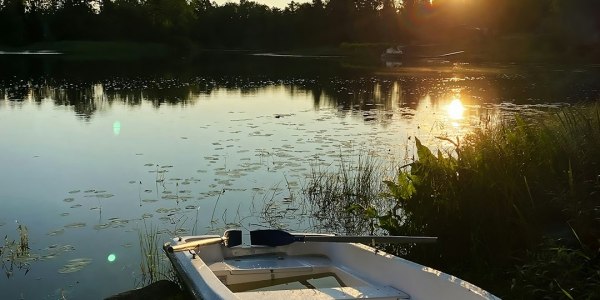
[(248, 24)]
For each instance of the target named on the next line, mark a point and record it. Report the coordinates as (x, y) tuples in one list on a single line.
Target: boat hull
[(312, 270)]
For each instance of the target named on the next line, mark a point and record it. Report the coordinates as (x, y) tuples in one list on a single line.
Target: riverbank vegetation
[(507, 30), (516, 206)]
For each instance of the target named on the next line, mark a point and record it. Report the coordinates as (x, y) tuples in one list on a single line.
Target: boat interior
[(272, 275)]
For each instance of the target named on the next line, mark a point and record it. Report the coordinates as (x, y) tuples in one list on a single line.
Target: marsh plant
[(518, 200), (337, 192), (14, 254), (153, 265)]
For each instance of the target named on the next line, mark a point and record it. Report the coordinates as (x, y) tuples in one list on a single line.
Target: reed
[(153, 265), (344, 196), (15, 254), (494, 201)]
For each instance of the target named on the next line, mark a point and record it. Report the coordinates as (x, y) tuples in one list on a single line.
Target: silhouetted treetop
[(248, 24)]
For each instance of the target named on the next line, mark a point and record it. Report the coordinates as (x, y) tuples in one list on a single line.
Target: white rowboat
[(213, 267)]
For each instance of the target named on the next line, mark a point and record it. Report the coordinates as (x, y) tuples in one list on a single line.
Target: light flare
[(455, 109), (117, 128)]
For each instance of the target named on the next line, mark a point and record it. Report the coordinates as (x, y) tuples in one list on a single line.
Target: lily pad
[(75, 225), (75, 265)]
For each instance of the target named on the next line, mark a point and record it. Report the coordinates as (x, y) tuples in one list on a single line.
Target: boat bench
[(357, 292)]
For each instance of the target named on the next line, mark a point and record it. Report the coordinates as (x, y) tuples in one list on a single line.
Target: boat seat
[(270, 264), (356, 292)]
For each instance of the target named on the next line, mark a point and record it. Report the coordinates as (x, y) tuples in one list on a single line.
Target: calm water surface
[(95, 153)]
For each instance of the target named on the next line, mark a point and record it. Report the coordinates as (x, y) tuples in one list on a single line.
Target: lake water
[(95, 153)]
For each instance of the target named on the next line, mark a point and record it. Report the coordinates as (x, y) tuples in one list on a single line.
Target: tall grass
[(153, 265), (510, 204), (344, 196), (502, 192)]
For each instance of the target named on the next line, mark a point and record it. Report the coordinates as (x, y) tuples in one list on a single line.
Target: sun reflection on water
[(455, 110)]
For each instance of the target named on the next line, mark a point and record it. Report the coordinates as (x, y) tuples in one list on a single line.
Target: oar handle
[(370, 239), (193, 244)]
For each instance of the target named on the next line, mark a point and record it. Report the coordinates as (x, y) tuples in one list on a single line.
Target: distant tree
[(12, 23), (200, 6), (36, 20), (389, 30), (170, 17), (340, 16), (73, 20)]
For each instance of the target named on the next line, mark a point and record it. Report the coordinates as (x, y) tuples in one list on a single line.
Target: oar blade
[(271, 237)]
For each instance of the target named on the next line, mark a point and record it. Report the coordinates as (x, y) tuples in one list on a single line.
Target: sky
[(270, 3)]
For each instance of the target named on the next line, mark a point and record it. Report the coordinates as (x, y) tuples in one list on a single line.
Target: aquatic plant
[(15, 253), (153, 265), (337, 193)]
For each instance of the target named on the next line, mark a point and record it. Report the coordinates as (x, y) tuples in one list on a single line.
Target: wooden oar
[(230, 238), (273, 238)]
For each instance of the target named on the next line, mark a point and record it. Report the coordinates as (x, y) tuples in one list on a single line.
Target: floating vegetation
[(75, 225), (75, 265), (56, 232), (55, 250), (100, 195), (112, 223), (167, 210)]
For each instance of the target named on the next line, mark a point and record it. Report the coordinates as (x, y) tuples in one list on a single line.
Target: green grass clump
[(500, 193)]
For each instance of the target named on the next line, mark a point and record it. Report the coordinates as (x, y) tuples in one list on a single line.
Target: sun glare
[(455, 109)]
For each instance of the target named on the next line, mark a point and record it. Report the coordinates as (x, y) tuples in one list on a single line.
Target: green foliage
[(557, 272), (497, 196)]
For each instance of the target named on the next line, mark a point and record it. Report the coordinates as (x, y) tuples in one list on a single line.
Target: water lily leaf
[(75, 265), (75, 225)]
